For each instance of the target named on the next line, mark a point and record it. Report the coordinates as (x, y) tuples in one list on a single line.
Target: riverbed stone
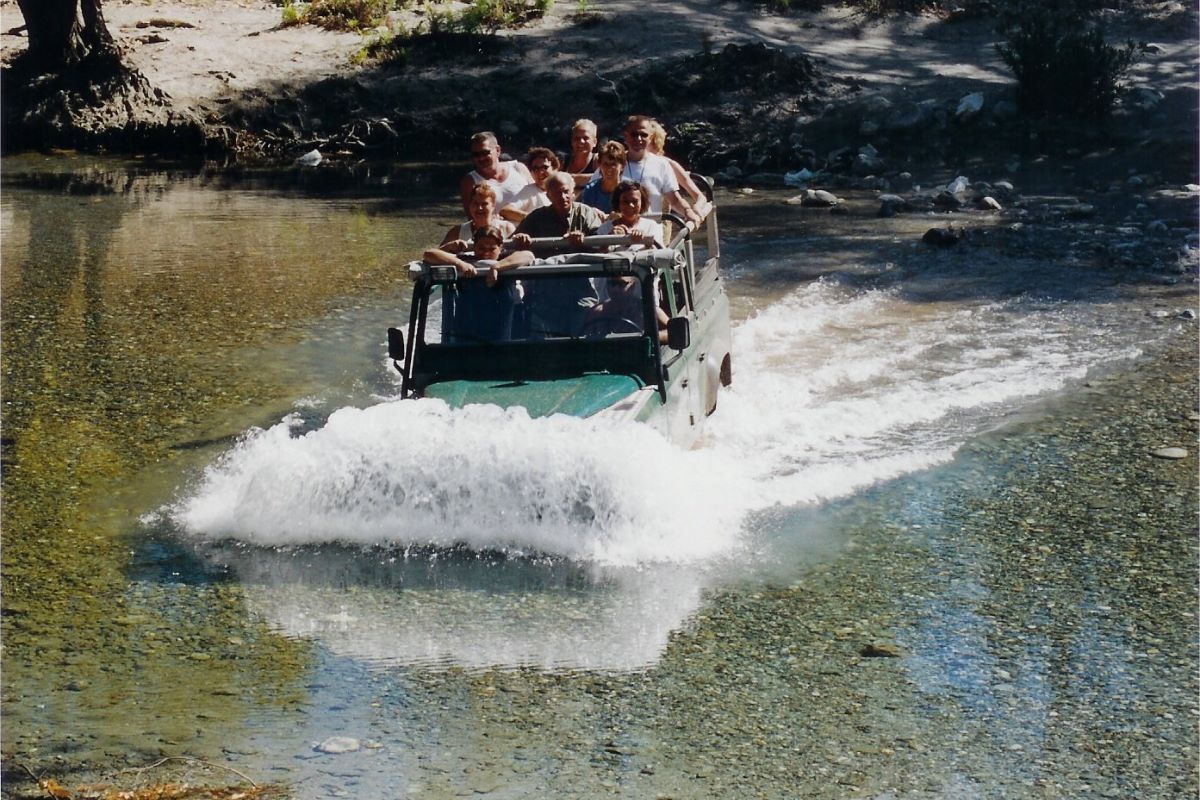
[(337, 745), (947, 200), (969, 106), (880, 650), (892, 204), (818, 198), (942, 237), (1170, 453)]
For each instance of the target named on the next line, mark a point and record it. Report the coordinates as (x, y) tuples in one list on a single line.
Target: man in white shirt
[(653, 171), (508, 178)]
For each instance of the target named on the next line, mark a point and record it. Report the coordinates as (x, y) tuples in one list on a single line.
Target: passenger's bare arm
[(700, 202), (518, 258), (676, 202), (451, 242), (436, 255)]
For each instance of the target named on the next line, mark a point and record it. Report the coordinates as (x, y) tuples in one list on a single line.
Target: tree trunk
[(65, 32), (72, 89)]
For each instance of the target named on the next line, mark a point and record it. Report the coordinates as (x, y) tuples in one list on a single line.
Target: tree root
[(98, 104)]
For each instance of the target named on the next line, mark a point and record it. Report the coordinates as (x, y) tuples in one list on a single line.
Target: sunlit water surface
[(226, 345)]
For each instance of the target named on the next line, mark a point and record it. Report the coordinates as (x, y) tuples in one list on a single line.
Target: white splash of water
[(835, 389), (421, 473)]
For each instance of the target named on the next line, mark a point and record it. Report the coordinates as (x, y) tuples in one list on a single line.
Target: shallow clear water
[(225, 538)]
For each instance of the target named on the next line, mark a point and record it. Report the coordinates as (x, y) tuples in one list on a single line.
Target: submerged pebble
[(336, 745)]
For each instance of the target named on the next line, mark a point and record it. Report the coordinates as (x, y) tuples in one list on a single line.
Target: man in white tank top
[(652, 171), (508, 178)]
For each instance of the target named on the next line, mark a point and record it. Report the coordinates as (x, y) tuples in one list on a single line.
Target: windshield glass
[(536, 308)]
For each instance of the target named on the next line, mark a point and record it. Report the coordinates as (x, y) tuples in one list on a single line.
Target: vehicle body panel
[(580, 396)]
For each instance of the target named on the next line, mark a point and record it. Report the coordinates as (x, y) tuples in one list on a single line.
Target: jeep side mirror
[(395, 344), (679, 333)]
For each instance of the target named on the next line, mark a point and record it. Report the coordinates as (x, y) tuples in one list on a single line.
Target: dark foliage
[(882, 8), (1061, 61), (735, 69)]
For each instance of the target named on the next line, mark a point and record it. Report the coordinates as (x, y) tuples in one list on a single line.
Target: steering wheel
[(602, 326)]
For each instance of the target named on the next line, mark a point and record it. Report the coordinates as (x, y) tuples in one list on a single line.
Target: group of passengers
[(609, 186), (597, 189)]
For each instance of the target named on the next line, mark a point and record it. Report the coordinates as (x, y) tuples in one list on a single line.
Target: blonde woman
[(657, 146), (582, 161)]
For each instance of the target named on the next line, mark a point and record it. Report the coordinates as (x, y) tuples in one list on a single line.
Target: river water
[(225, 540)]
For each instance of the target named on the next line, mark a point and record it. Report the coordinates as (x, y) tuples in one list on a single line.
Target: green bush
[(492, 15), (444, 33), (291, 15), (345, 15), (1061, 61)]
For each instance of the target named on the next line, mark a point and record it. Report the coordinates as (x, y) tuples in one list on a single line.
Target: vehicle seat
[(474, 312)]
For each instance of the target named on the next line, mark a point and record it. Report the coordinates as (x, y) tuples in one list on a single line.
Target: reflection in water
[(135, 304), (436, 608)]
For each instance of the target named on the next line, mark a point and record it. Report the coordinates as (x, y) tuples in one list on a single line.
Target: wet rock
[(969, 106), (892, 204), (818, 198), (1003, 191), (880, 650), (942, 237), (866, 161), (1080, 211), (799, 178), (959, 185), (989, 203), (336, 745), (947, 200)]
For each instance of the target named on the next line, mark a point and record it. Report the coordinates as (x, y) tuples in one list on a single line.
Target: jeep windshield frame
[(462, 329)]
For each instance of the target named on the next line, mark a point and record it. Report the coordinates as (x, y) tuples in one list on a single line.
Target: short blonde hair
[(658, 136), (585, 123)]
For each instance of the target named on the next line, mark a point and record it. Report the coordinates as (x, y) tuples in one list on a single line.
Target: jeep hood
[(580, 396)]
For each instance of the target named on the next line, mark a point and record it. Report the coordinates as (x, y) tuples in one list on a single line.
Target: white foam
[(421, 473), (835, 389)]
